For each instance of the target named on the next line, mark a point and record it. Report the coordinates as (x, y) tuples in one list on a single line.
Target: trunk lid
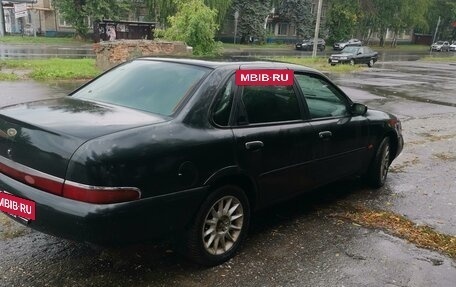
[(43, 135)]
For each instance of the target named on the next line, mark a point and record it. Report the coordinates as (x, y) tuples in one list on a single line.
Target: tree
[(399, 15), (161, 10), (446, 10), (77, 12), (409, 14), (343, 19), (195, 24), (367, 19), (347, 18), (252, 15), (222, 7), (298, 13)]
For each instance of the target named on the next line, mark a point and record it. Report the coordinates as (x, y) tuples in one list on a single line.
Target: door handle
[(254, 145), (325, 134)]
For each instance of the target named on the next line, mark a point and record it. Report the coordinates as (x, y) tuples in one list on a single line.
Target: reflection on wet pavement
[(26, 51)]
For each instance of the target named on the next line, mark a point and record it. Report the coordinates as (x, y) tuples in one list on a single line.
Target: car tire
[(352, 62), (371, 63), (378, 169), (220, 226)]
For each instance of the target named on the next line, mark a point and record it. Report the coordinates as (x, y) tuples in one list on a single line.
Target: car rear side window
[(152, 86), (222, 106), (264, 104), (322, 99)]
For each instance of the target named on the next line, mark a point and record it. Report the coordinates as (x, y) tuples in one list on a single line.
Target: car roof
[(234, 65)]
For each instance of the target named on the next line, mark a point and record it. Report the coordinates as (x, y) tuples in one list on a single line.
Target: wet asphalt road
[(297, 243), (30, 51)]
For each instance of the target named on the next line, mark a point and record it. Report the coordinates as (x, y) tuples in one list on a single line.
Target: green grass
[(8, 77), (39, 40), (255, 46), (449, 59), (55, 69), (319, 63), (403, 47)]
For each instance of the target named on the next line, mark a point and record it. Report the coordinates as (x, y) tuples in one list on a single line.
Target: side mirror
[(358, 109)]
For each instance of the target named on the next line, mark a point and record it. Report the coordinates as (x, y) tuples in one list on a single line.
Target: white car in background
[(440, 46), (453, 46)]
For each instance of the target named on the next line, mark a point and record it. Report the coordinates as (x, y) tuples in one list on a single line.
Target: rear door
[(273, 142), (341, 140)]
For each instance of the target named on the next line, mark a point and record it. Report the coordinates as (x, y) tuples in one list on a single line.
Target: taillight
[(68, 189), (99, 195), (31, 176), (395, 123)]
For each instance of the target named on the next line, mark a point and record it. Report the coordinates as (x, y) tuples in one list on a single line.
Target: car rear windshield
[(152, 86)]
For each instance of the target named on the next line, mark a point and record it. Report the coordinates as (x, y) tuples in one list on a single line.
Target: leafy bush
[(195, 24)]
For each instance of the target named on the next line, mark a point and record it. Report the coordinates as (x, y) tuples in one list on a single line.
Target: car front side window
[(322, 98)]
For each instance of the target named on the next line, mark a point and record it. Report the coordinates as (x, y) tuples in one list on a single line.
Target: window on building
[(283, 29), (63, 22), (292, 30)]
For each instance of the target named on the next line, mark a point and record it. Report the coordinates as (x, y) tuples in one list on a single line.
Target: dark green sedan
[(354, 55), (160, 147)]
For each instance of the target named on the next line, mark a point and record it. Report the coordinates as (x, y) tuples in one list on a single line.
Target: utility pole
[(317, 29), (436, 29), (236, 18), (2, 20)]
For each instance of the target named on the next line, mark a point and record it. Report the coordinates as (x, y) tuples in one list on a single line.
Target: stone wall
[(112, 53)]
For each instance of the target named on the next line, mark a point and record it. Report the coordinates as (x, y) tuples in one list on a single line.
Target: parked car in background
[(346, 43), (354, 55), (440, 46), (176, 147), (307, 45), (453, 46)]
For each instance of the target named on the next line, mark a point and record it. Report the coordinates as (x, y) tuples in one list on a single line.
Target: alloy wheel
[(385, 162), (223, 225)]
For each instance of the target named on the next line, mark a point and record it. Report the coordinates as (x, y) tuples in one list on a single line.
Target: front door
[(341, 138), (273, 141)]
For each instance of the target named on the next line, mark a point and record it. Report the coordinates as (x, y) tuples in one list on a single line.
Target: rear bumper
[(108, 223)]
